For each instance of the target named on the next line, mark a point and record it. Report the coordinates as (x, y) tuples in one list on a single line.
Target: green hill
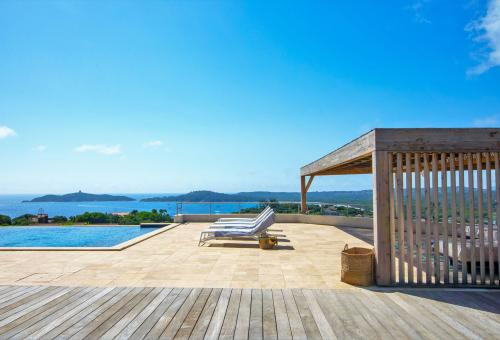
[(361, 198), (80, 197)]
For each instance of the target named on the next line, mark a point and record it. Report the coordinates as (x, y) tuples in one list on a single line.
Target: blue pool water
[(74, 236)]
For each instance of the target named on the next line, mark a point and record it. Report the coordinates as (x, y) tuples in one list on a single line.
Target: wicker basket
[(357, 266), (268, 242)]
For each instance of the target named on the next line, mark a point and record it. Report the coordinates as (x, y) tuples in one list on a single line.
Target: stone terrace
[(308, 256)]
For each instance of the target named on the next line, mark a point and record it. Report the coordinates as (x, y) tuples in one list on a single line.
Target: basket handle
[(346, 246)]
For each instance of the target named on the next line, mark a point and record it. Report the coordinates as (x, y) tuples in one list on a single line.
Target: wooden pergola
[(395, 157)]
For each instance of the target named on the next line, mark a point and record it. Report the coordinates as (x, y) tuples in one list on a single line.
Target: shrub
[(5, 220)]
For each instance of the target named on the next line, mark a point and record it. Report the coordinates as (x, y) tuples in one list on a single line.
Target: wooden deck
[(31, 312)]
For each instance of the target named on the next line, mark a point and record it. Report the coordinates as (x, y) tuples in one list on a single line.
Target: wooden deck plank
[(379, 330), (19, 295), (269, 330), (392, 315), (127, 332), (201, 326), (282, 321), (149, 323), (169, 314), (296, 326), (153, 313), (381, 316), (358, 320), (455, 319), (107, 319), (23, 299), (323, 325), (42, 313), (215, 325), (85, 321), (428, 326), (131, 315), (231, 317), (243, 322), (181, 314), (255, 331), (310, 327), (193, 315), (21, 310), (70, 315)]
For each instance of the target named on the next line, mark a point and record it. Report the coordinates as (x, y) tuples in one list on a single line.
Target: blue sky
[(173, 96)]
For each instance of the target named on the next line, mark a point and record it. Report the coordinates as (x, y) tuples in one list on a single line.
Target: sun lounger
[(244, 219), (241, 224), (259, 230)]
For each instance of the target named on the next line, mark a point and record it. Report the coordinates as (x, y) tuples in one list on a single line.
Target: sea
[(13, 206)]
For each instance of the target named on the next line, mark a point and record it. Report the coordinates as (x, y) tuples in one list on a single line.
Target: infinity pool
[(74, 236)]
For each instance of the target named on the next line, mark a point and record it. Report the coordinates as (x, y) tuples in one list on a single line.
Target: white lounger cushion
[(241, 225), (243, 219)]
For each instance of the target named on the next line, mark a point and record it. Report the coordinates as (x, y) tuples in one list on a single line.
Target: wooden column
[(303, 194), (381, 217)]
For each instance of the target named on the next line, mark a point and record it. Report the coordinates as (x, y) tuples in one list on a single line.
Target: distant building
[(120, 213), (40, 218)]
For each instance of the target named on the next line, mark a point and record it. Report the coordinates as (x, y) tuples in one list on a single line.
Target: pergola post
[(303, 195), (304, 188), (381, 217)]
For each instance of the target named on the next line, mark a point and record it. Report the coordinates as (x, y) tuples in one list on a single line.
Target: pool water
[(74, 236)]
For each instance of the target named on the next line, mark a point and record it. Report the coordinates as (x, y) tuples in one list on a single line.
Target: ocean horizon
[(12, 205)]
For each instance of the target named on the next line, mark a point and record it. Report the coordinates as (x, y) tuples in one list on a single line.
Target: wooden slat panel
[(497, 190), (491, 263), (418, 213), (480, 211), (444, 189), (409, 216), (427, 191), (463, 235), (454, 239), (435, 224), (472, 220), (401, 216), (392, 217)]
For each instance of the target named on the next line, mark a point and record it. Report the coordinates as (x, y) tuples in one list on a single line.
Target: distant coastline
[(80, 197)]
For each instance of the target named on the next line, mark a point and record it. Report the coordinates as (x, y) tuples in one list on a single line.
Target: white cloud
[(490, 121), (487, 30), (153, 144), (417, 9), (6, 131), (100, 149), (40, 148)]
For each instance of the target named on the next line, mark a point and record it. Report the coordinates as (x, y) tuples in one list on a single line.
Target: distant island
[(80, 197), (362, 198)]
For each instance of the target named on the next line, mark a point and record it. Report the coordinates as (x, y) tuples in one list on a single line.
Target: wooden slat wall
[(435, 231)]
